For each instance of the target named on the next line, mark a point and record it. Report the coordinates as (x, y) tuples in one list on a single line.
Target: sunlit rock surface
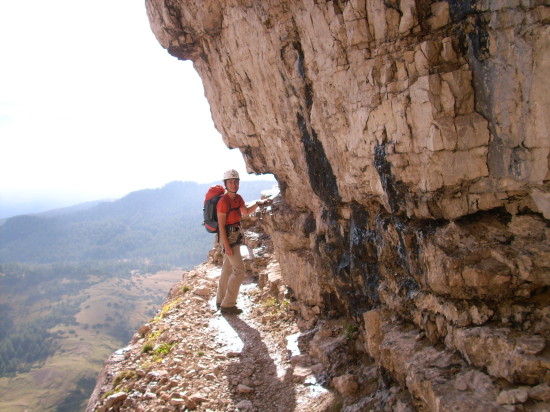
[(410, 140)]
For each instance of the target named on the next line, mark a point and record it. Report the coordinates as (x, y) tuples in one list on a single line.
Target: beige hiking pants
[(232, 276)]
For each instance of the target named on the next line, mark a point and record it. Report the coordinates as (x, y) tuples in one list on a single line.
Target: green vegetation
[(123, 375), (23, 347), (32, 342), (163, 349), (23, 278), (167, 308), (154, 336), (150, 343), (274, 305), (351, 331), (111, 310), (160, 351)]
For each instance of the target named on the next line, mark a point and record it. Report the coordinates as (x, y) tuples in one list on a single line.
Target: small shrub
[(126, 374), (109, 393), (154, 336), (148, 347), (351, 331), (163, 349), (276, 306), (270, 302), (200, 353), (185, 288), (167, 308)]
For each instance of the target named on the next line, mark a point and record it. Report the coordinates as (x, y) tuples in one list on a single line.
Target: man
[(230, 209)]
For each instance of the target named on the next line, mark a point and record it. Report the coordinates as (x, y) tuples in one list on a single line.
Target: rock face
[(410, 140)]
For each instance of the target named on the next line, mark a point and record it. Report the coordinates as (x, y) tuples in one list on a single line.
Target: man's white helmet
[(231, 174)]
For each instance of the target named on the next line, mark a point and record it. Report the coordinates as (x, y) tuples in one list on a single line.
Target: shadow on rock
[(257, 386)]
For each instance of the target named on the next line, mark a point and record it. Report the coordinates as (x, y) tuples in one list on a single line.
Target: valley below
[(100, 314)]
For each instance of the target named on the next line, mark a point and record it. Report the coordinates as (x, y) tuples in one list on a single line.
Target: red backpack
[(210, 213)]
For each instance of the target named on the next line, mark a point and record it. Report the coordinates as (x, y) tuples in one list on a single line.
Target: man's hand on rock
[(264, 202)]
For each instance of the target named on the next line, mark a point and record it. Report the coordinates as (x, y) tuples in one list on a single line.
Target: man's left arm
[(251, 209), (248, 210)]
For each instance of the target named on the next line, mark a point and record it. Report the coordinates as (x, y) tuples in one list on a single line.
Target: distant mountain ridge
[(161, 225), (14, 207), (71, 209)]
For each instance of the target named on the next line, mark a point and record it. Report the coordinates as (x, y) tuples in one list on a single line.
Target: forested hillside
[(162, 226)]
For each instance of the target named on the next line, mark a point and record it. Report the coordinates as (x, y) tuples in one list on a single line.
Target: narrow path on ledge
[(263, 376), (191, 357)]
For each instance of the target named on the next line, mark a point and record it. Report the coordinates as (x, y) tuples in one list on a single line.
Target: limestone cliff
[(410, 139)]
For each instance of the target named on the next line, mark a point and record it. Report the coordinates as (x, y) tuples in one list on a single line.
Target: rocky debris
[(182, 358)]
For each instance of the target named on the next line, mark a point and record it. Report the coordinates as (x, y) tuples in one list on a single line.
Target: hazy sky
[(92, 106)]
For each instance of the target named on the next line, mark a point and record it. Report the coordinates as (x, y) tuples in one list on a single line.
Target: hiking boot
[(231, 310)]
